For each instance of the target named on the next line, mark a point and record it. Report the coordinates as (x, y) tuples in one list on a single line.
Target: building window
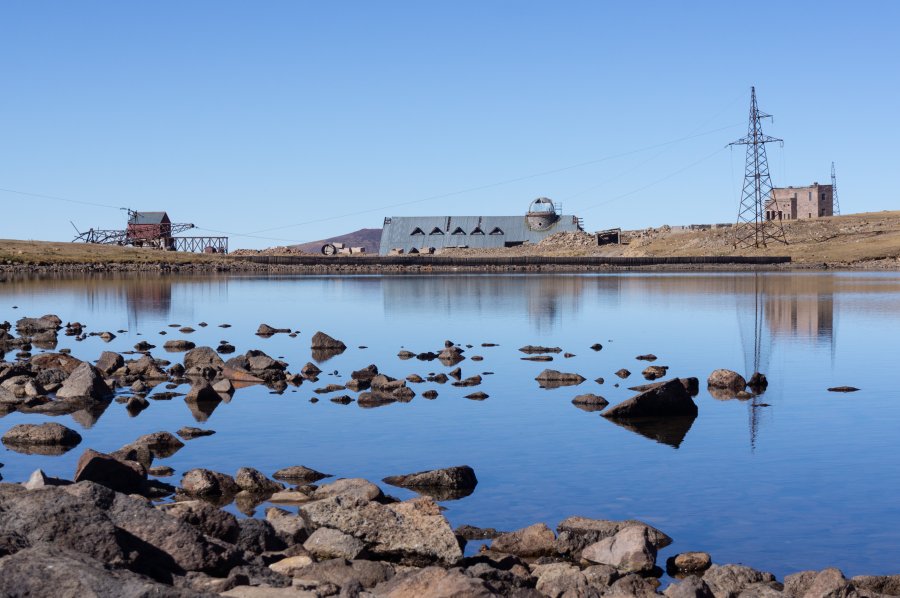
[(458, 231), (496, 231), (477, 231), (417, 231), (436, 231)]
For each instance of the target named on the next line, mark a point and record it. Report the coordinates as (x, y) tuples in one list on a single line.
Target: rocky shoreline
[(117, 528)]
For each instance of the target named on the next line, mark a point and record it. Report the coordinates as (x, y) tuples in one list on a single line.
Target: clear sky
[(310, 119)]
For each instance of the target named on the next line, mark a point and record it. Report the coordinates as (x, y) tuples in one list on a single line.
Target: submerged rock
[(299, 474), (555, 379), (843, 389), (458, 477)]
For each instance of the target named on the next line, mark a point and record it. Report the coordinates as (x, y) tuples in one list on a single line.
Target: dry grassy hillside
[(46, 252), (860, 240)]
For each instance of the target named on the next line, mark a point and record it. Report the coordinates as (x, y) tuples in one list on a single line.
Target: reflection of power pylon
[(753, 228), (756, 343)]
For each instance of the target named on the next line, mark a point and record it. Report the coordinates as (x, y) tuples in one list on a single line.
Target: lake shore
[(117, 525)]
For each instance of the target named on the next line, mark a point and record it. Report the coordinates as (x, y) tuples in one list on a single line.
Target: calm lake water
[(798, 479)]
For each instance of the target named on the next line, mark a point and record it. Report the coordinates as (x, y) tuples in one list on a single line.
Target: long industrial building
[(427, 234)]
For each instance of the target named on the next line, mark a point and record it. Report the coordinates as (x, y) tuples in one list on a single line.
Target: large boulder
[(118, 530), (882, 584), (109, 362), (201, 360), (349, 488), (164, 543), (84, 381), (119, 475), (414, 532), (48, 434), (460, 477), (203, 482), (48, 570), (209, 520), (689, 587), (727, 380), (667, 400), (327, 543), (727, 581), (629, 551), (534, 540), (46, 323), (574, 533), (254, 481), (347, 574), (157, 445), (433, 582)]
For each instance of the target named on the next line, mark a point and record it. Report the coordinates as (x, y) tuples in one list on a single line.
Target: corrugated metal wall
[(479, 232)]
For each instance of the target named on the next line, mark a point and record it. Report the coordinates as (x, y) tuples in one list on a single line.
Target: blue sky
[(292, 121)]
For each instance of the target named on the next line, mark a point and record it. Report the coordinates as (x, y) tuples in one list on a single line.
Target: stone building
[(794, 203)]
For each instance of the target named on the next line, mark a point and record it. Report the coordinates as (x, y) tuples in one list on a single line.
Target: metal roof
[(480, 232), (149, 218)]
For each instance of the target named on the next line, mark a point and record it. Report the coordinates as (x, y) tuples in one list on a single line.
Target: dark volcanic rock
[(669, 399), (208, 519), (48, 570), (203, 482), (266, 330), (120, 475), (553, 379), (189, 433), (320, 340), (109, 362), (843, 389), (178, 345), (459, 477), (590, 402), (253, 480), (538, 349), (654, 371)]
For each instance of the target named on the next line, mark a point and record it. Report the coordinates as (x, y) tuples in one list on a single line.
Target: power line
[(656, 182), (57, 198), (497, 184)]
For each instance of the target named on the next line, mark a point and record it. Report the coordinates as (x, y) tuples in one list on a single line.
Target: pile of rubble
[(282, 250), (566, 240)]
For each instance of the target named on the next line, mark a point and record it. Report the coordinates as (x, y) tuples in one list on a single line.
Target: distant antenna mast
[(836, 206), (752, 228)]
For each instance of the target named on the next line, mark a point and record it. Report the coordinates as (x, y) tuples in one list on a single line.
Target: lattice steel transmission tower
[(753, 228), (836, 205)]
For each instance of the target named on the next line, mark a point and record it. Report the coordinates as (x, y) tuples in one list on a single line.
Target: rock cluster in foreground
[(345, 538)]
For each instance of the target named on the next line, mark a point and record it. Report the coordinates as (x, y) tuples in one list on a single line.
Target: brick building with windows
[(796, 203)]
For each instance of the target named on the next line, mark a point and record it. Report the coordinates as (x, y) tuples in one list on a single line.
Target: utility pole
[(752, 228), (836, 205)]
